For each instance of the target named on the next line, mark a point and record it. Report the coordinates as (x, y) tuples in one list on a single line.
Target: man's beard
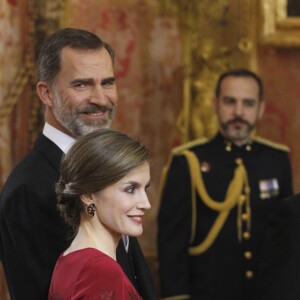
[(240, 134), (77, 127)]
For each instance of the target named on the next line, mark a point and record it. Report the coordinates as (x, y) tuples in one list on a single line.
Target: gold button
[(248, 255), (246, 235), (249, 274), (245, 217), (228, 148), (242, 197)]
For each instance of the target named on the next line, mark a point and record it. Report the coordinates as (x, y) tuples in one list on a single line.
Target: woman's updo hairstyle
[(94, 162)]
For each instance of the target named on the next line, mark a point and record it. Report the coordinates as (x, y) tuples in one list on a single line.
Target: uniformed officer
[(215, 199)]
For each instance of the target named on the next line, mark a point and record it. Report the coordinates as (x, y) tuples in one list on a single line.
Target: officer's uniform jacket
[(279, 273), (215, 199)]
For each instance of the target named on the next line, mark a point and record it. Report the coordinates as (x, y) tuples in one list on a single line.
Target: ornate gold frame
[(278, 29)]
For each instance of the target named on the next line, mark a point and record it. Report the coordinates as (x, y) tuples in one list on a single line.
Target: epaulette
[(178, 150), (272, 144)]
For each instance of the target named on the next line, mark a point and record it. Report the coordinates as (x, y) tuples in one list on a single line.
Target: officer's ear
[(45, 93), (215, 104), (261, 109)]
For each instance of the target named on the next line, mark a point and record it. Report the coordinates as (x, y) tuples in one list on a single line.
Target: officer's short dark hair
[(240, 73), (78, 39)]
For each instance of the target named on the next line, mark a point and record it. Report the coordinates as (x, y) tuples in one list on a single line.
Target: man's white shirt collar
[(62, 140)]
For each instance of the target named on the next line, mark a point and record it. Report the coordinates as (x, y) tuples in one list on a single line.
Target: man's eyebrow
[(82, 81), (228, 98), (90, 81), (250, 99), (108, 80)]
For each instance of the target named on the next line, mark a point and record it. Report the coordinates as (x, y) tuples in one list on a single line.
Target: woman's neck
[(93, 235)]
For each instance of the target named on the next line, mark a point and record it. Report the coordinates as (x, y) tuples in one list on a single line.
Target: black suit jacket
[(32, 234), (279, 276)]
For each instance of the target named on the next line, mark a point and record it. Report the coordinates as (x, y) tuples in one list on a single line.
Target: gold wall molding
[(278, 29)]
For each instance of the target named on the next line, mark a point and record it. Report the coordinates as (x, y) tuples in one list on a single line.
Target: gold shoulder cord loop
[(238, 193)]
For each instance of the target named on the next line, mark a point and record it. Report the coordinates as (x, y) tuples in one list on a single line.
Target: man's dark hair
[(240, 73), (79, 39)]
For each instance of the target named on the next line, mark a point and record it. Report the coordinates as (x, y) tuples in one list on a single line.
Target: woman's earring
[(90, 209)]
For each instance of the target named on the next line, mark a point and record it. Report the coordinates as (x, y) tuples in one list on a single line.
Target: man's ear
[(87, 198), (44, 92), (261, 109)]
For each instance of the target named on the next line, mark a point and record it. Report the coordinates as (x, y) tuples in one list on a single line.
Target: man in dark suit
[(77, 86), (279, 273), (216, 197)]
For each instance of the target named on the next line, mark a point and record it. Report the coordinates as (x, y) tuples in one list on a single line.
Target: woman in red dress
[(102, 195)]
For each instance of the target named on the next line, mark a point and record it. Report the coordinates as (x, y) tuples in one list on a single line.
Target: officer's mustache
[(237, 120)]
